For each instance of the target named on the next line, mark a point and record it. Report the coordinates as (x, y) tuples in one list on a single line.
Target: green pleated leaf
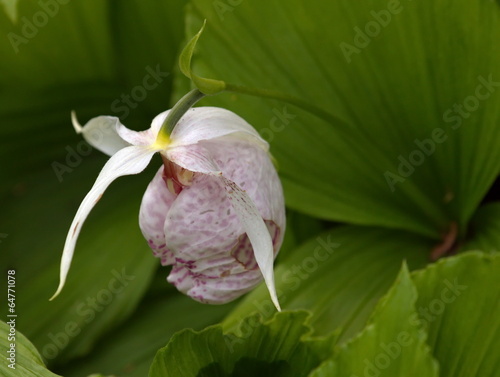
[(124, 353), (339, 276), (417, 143), (391, 345), (130, 349), (52, 43), (37, 130), (278, 347), (146, 52), (299, 229), (83, 59), (109, 274), (95, 57), (459, 305), (19, 357)]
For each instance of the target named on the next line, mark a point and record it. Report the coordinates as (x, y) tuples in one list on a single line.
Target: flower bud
[(215, 209), (190, 223)]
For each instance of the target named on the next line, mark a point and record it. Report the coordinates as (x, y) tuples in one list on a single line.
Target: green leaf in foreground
[(27, 363), (278, 347), (459, 303), (339, 276), (129, 350), (111, 270), (391, 345)]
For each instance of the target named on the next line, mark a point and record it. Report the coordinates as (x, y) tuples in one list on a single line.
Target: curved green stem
[(179, 109), (211, 87), (315, 110), (186, 102)]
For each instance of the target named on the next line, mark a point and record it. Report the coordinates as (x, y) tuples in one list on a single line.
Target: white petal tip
[(278, 307), (59, 289), (76, 125), (274, 299)]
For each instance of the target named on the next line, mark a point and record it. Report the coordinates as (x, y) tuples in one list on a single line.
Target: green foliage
[(458, 303), (408, 332), (390, 345), (400, 87), (279, 347), (20, 357), (358, 265), (387, 124), (129, 349)]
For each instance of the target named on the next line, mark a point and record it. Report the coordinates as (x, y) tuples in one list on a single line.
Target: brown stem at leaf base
[(448, 245)]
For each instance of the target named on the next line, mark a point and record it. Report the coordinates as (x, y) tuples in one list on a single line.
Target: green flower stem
[(315, 110), (179, 109), (186, 102)]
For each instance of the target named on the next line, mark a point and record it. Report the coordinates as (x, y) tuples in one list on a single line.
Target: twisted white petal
[(127, 161), (257, 233), (102, 133), (189, 147)]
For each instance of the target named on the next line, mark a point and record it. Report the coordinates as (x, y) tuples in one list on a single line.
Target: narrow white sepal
[(76, 124), (127, 161), (257, 233), (101, 133)]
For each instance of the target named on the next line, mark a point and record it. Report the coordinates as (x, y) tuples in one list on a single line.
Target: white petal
[(257, 232), (127, 161), (196, 158), (207, 123), (147, 137), (108, 135), (158, 121), (101, 133)]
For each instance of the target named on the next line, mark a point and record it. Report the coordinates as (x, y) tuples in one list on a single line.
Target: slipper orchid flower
[(215, 208)]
